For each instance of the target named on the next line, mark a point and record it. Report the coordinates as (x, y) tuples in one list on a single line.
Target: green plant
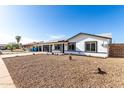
[(12, 46)]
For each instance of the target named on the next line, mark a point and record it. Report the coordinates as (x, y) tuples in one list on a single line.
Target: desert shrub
[(12, 46), (70, 57)]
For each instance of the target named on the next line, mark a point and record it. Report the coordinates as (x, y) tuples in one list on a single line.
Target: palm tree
[(18, 38)]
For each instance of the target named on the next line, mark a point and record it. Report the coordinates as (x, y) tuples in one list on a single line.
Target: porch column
[(41, 48), (53, 47), (49, 48), (63, 50), (37, 48)]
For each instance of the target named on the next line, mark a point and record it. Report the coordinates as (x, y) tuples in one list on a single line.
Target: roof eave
[(90, 35)]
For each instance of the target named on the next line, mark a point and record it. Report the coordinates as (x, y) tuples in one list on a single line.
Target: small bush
[(12, 46), (70, 57)]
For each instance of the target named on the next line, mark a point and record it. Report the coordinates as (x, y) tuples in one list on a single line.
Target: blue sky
[(37, 23)]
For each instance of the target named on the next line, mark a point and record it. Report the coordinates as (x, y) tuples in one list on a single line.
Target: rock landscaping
[(54, 71)]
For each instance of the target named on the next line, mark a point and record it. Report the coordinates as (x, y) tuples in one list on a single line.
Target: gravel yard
[(59, 72)]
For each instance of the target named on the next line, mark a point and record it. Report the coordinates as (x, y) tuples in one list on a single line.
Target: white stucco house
[(80, 44)]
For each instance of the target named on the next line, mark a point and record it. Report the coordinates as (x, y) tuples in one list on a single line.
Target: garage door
[(116, 50)]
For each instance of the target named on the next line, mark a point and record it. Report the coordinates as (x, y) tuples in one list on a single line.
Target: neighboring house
[(29, 46), (2, 46), (80, 44)]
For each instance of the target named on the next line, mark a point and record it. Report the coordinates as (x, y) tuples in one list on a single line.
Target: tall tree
[(18, 38)]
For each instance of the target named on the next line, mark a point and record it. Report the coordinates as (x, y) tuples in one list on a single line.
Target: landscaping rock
[(52, 71)]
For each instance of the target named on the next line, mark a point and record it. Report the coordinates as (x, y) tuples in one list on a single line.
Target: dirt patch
[(59, 72)]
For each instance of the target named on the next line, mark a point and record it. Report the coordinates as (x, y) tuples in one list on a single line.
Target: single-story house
[(80, 44)]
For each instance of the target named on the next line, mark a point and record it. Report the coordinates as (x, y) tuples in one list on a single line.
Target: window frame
[(56, 45), (91, 42), (72, 43), (45, 48)]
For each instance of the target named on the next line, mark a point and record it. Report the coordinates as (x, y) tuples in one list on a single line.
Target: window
[(46, 48), (91, 46), (57, 46), (72, 46)]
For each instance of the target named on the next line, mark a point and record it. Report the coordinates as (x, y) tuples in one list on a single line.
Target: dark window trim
[(72, 43), (90, 44), (46, 48), (57, 49)]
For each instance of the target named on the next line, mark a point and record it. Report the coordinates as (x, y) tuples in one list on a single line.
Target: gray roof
[(58, 40), (66, 39), (90, 35)]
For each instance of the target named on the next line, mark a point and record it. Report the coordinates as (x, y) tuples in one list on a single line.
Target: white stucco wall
[(65, 47), (80, 45), (87, 54)]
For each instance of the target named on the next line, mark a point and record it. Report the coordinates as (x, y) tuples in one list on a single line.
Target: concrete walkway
[(5, 78), (21, 54)]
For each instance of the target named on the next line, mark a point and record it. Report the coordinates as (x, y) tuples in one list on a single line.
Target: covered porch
[(52, 47), (55, 47)]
